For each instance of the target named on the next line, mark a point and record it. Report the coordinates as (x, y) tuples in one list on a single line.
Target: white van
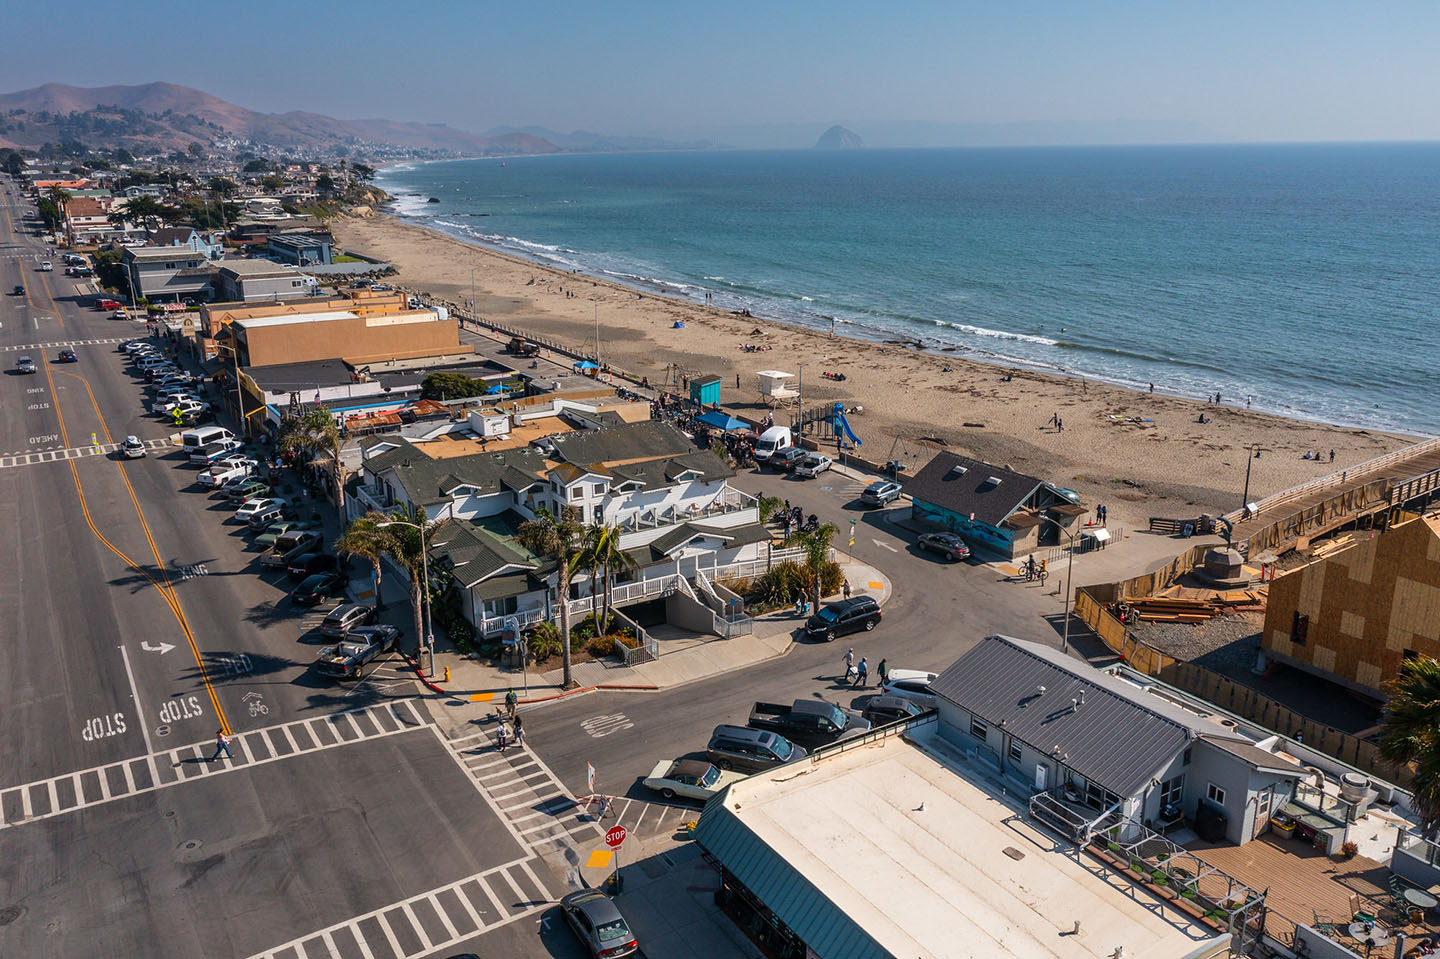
[(772, 441), (195, 440)]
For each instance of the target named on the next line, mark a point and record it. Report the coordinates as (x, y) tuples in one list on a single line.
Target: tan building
[(1357, 614)]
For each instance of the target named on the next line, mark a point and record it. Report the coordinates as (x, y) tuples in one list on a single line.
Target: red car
[(108, 305)]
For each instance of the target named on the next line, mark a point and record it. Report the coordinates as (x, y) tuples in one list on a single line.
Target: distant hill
[(839, 138), (167, 116)]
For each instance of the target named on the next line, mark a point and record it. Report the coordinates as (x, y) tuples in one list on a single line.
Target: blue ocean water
[(1304, 277)]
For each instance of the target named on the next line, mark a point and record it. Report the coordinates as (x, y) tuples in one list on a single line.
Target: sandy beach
[(1166, 464)]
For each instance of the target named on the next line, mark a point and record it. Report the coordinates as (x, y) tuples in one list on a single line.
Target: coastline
[(1139, 453)]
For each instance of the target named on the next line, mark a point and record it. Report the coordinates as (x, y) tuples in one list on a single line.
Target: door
[(1042, 775), (1264, 801)]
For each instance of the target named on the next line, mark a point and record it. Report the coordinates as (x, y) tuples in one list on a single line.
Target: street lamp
[(425, 575), (1069, 570), (1257, 449)]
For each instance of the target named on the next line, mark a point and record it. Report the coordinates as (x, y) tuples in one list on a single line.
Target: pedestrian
[(222, 745), (1332, 456), (862, 674), (1152, 387), (845, 586), (502, 735), (1059, 425), (882, 671), (519, 732), (511, 702), (849, 659)]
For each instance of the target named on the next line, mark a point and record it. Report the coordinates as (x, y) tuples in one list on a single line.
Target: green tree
[(50, 214), (603, 557), (145, 210), (1412, 734), (314, 432), (222, 187), (363, 171), (365, 537), (450, 386), (271, 183), (406, 545), (816, 545), (13, 163), (562, 540), (325, 183), (258, 165)]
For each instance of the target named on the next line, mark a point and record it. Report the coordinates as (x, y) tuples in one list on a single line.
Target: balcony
[(375, 498), (728, 502)]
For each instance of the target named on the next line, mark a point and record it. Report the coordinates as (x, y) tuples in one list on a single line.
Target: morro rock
[(839, 138)]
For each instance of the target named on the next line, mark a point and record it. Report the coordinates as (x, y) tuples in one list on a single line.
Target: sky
[(899, 73)]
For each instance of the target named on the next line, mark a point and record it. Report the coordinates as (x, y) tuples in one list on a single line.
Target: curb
[(423, 678)]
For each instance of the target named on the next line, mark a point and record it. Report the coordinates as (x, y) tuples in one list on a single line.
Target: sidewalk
[(473, 682)]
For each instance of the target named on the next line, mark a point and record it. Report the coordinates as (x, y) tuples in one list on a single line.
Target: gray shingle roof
[(427, 481), (1115, 737), (664, 472), (971, 492), (475, 552), (632, 441), (680, 535)]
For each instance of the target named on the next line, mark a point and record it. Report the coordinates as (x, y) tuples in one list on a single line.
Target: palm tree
[(315, 432), (562, 540), (366, 537), (1412, 734), (816, 545), (406, 545), (604, 557)]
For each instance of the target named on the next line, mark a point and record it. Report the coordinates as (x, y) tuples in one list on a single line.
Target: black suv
[(847, 616)]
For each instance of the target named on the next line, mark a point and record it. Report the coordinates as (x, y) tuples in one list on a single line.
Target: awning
[(586, 365), (722, 421), (1099, 533)]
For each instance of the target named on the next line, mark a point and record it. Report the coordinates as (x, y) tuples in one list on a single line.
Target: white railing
[(626, 593), (491, 625), (372, 499), (728, 501)]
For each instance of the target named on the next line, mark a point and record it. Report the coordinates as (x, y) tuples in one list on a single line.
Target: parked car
[(264, 517), (750, 750), (169, 401), (911, 684), (314, 589), (880, 493), (259, 504), (210, 452), (348, 658), (948, 545), (689, 779), (787, 459), (25, 365), (132, 448), (882, 709), (807, 722), (231, 487), (272, 533), (221, 473), (345, 617), (308, 564), (595, 919), (846, 616), (67, 356), (813, 465)]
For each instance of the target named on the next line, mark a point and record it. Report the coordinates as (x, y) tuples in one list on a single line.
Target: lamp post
[(1256, 449), (1069, 570), (425, 579)]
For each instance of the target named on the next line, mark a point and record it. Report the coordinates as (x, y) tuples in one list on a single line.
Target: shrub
[(781, 584), (544, 641), (1348, 850), (601, 646), (768, 505)]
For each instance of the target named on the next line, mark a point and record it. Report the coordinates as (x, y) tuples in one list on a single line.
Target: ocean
[(1302, 278)]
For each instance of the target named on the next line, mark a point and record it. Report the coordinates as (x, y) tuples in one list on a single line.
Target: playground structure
[(840, 426)]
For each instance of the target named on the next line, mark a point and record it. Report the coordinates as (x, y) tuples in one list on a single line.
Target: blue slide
[(842, 425)]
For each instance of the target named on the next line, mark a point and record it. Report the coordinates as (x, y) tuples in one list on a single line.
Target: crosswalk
[(31, 802), (73, 452), (62, 344), (430, 921)]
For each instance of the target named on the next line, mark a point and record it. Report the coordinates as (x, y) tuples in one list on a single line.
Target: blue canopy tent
[(587, 365), (722, 421)]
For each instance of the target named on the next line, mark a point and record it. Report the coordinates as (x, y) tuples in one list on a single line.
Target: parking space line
[(294, 746), (245, 748), (354, 724), (129, 776), (79, 789), (300, 952), (490, 894), (525, 868), (25, 808), (54, 795), (469, 737), (510, 881)]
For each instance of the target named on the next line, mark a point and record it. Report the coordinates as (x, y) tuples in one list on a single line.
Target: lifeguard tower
[(775, 386)]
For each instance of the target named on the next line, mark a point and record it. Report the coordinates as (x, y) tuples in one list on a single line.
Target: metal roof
[(1093, 723), (823, 926)]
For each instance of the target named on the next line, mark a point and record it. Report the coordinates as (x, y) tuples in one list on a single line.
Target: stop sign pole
[(613, 838)]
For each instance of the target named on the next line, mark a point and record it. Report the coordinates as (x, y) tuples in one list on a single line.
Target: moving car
[(67, 356), (18, 291), (890, 709), (750, 750), (948, 545), (880, 493), (846, 616), (689, 779), (314, 589), (132, 448), (911, 684), (25, 365), (344, 618), (597, 922), (813, 465), (348, 658), (46, 266)]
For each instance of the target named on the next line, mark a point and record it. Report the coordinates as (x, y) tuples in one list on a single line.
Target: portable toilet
[(705, 390)]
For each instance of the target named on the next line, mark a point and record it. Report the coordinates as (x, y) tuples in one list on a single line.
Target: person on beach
[(1332, 456)]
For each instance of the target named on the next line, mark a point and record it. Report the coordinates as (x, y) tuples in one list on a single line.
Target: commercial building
[(1354, 616), (1000, 509), (247, 281)]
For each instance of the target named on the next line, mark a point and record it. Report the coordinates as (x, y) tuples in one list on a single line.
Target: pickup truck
[(519, 346), (289, 547), (348, 658), (808, 722)]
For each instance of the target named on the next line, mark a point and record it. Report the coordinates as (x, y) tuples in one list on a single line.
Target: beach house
[(997, 508), (681, 524), (168, 273)]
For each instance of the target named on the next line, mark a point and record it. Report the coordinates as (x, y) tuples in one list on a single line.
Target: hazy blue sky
[(897, 73)]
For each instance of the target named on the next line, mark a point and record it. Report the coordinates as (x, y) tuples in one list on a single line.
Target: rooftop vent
[(992, 481), (957, 470)]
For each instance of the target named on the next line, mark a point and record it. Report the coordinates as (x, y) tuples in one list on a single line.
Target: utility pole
[(1253, 451), (596, 304)]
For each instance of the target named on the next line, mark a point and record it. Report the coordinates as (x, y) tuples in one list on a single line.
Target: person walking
[(882, 671), (502, 735), (862, 674), (222, 745), (519, 732), (845, 588), (1332, 456), (510, 702)]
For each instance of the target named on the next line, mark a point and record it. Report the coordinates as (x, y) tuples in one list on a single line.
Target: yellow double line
[(163, 585)]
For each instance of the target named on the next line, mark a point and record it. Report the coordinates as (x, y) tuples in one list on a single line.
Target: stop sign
[(615, 837)]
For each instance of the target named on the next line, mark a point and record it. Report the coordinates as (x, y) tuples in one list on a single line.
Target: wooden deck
[(1301, 882)]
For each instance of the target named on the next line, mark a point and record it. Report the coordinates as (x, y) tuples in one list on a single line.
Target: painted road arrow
[(162, 649)]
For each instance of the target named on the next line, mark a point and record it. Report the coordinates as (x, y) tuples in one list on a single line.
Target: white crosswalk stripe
[(31, 802), (72, 452), (460, 910), (62, 344)]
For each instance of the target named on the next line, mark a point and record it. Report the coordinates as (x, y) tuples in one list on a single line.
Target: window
[(1299, 629), (1215, 794), (978, 727), (1097, 797), (1014, 751), (599, 489), (577, 491), (1171, 791)]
